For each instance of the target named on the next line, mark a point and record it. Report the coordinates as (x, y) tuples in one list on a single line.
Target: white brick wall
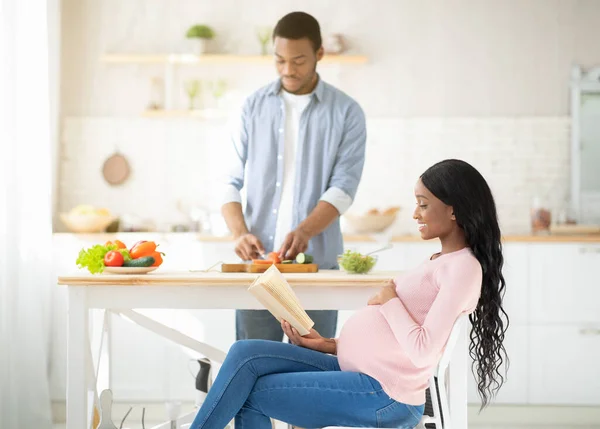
[(181, 160), (520, 158)]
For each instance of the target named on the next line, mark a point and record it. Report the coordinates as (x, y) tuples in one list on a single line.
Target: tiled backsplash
[(181, 160)]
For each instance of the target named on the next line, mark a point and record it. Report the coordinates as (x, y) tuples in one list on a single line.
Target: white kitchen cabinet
[(516, 276), (515, 388), (563, 368), (564, 283), (515, 271)]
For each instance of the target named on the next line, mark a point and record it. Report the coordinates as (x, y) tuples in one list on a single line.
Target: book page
[(275, 294)]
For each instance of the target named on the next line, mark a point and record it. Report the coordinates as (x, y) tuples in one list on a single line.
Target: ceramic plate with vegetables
[(114, 257)]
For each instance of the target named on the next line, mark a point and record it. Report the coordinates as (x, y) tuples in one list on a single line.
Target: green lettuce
[(354, 262), (93, 258)]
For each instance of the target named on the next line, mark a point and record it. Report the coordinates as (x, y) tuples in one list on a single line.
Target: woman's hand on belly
[(387, 292)]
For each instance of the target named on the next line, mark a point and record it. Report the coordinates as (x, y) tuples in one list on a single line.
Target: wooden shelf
[(199, 114), (170, 61), (216, 59)]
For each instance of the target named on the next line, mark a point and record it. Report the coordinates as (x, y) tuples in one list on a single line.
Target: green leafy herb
[(354, 262), (93, 258)]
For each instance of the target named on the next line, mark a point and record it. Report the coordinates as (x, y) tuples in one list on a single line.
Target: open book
[(275, 294)]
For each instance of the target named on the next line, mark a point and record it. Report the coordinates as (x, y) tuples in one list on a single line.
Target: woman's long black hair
[(458, 184)]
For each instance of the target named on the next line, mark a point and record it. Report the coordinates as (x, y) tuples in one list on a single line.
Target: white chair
[(441, 406)]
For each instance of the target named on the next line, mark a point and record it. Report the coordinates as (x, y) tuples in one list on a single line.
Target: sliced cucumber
[(146, 261), (287, 261), (303, 258)]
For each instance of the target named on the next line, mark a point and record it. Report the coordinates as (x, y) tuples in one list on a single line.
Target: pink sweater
[(400, 343)]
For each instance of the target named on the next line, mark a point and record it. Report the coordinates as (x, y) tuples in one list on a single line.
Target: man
[(299, 153)]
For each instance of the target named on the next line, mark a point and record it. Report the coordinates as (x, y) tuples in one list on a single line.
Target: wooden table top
[(188, 278)]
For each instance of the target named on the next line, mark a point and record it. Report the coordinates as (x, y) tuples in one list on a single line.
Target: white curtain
[(25, 215)]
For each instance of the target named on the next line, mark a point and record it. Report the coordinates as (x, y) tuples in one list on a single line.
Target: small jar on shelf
[(541, 216)]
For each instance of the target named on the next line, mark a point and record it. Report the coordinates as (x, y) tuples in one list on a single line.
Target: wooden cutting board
[(261, 268)]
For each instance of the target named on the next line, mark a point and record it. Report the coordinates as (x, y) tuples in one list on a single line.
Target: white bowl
[(86, 223), (369, 222)]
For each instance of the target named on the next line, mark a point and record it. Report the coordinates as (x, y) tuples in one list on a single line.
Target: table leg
[(77, 359)]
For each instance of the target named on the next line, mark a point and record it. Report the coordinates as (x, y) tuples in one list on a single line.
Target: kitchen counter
[(349, 238)]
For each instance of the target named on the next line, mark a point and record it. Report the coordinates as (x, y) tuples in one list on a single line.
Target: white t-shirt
[(294, 106)]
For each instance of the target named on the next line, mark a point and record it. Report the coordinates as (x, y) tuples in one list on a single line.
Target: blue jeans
[(262, 379), (261, 325)]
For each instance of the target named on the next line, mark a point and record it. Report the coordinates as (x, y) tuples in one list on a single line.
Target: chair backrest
[(457, 330)]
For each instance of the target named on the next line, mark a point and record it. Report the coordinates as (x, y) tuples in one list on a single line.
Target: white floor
[(496, 417), (149, 425)]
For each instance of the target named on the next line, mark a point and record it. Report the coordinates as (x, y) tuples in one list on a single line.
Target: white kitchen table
[(325, 290)]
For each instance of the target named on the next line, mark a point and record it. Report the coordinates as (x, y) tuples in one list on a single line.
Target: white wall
[(482, 80), (428, 58)]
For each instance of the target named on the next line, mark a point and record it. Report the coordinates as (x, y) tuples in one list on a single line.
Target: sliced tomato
[(274, 256)]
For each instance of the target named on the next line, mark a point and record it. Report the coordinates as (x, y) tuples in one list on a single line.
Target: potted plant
[(264, 35), (203, 33)]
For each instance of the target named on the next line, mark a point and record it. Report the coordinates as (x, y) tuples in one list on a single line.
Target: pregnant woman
[(376, 373)]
